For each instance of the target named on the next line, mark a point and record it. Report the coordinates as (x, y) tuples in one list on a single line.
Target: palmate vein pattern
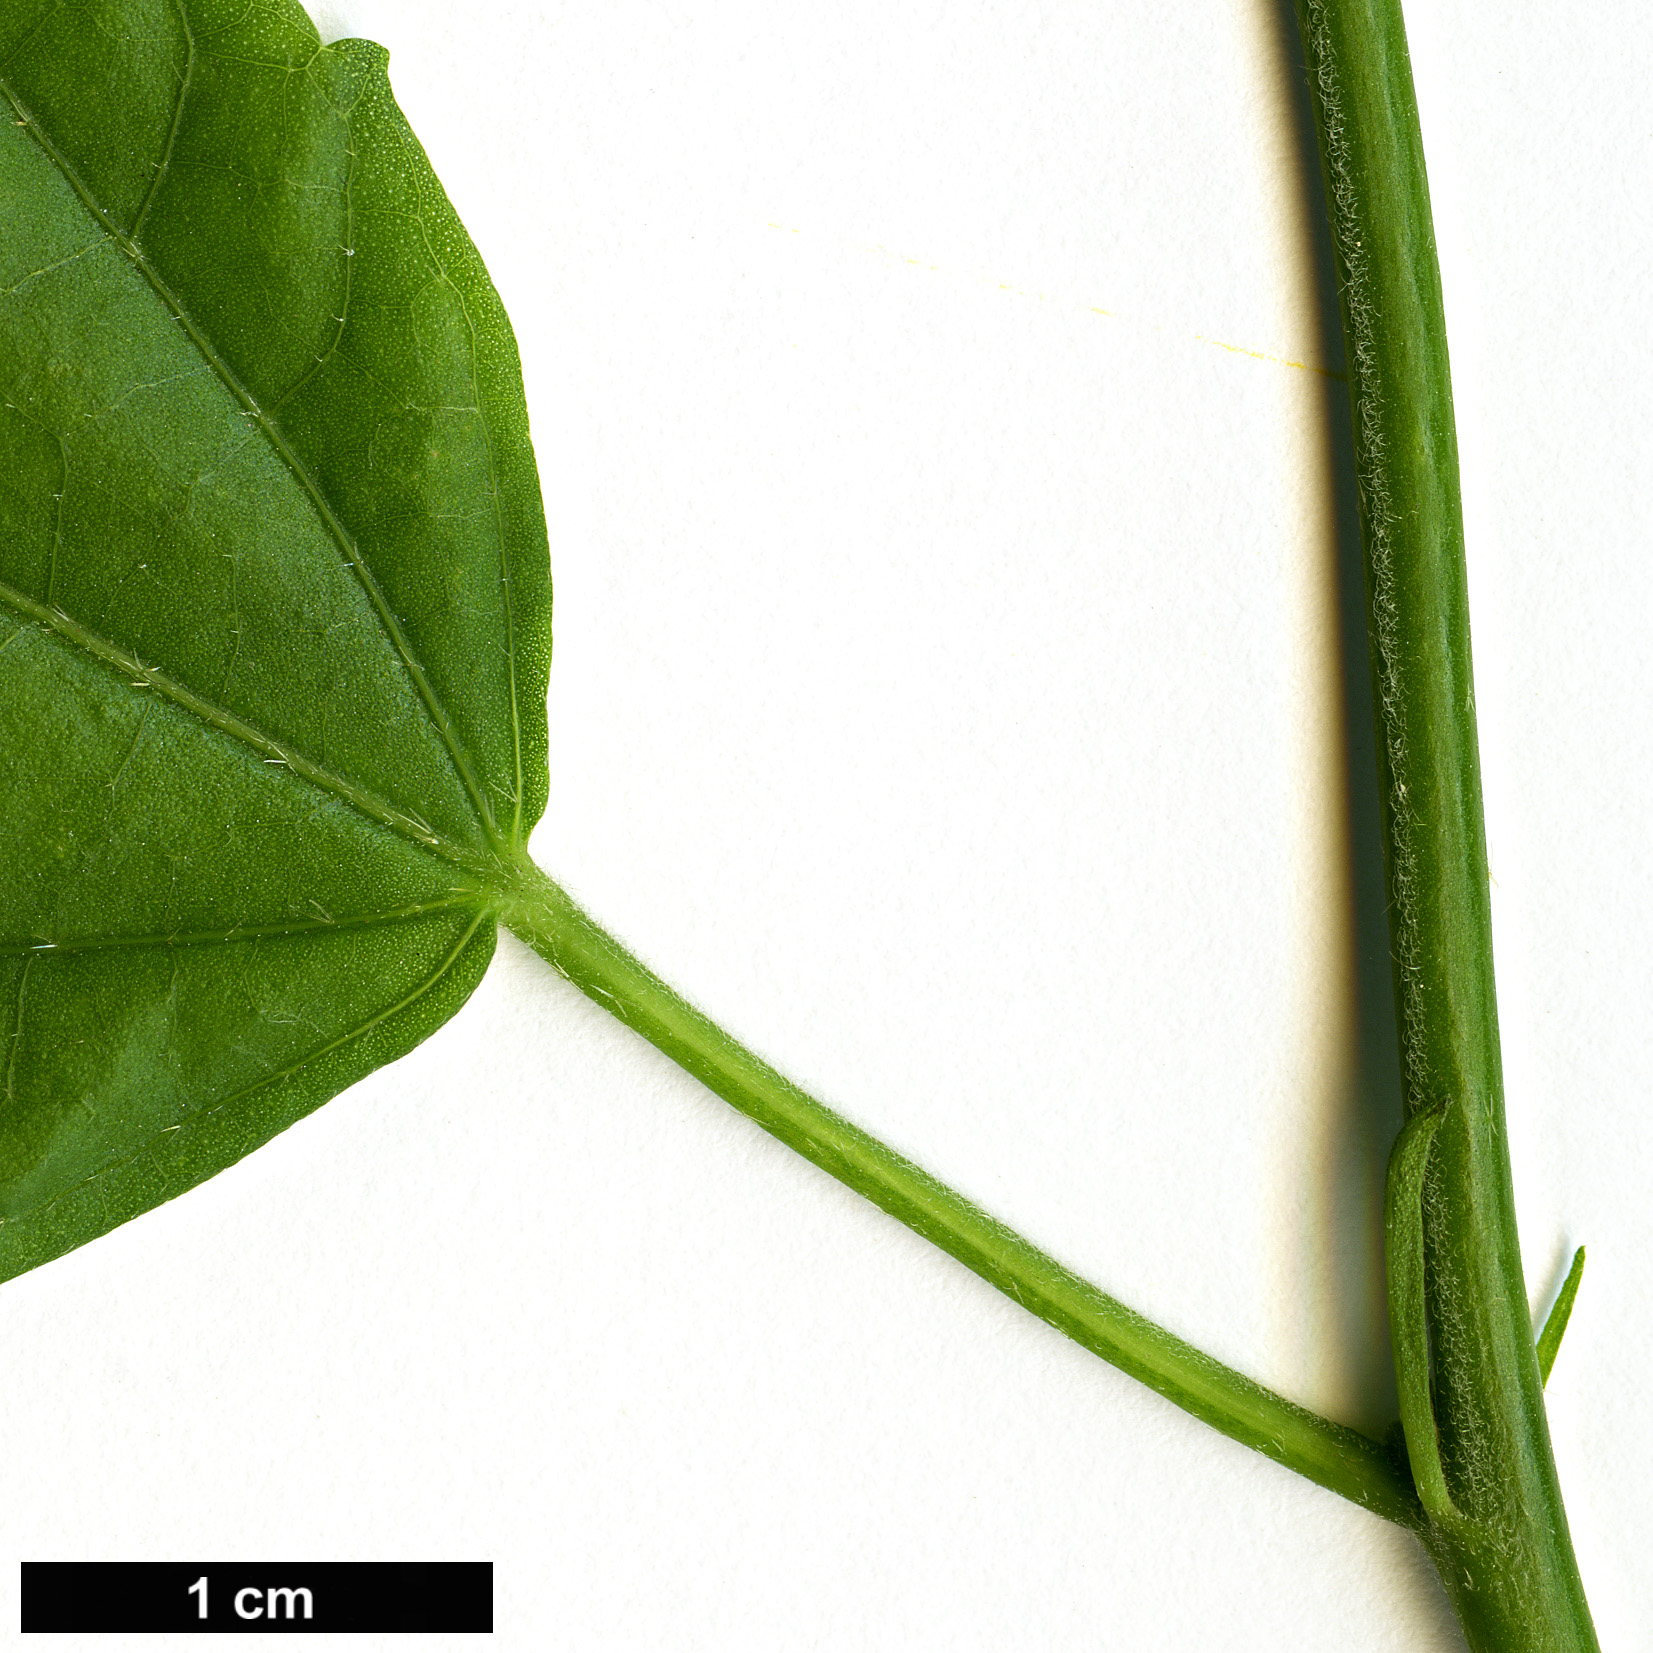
[(274, 602)]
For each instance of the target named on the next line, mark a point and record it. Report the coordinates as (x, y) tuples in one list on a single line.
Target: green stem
[(1504, 1551), (1338, 1458)]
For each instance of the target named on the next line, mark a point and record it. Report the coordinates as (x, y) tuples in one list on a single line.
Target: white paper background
[(959, 692)]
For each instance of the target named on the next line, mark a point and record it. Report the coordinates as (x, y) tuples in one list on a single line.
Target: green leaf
[(274, 598)]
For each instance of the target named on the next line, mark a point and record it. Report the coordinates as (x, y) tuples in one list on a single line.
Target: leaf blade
[(274, 598), (169, 1159)]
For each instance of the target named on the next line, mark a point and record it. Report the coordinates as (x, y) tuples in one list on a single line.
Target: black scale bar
[(283, 1598)]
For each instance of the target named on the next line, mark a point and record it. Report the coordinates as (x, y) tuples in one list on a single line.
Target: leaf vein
[(28, 39), (52, 269), (139, 676), (325, 1049), (165, 162), (499, 535), (349, 265), (348, 551), (16, 1035), (245, 932)]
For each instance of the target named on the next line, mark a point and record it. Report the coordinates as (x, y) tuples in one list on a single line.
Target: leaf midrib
[(433, 707), (459, 901), (126, 664)]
